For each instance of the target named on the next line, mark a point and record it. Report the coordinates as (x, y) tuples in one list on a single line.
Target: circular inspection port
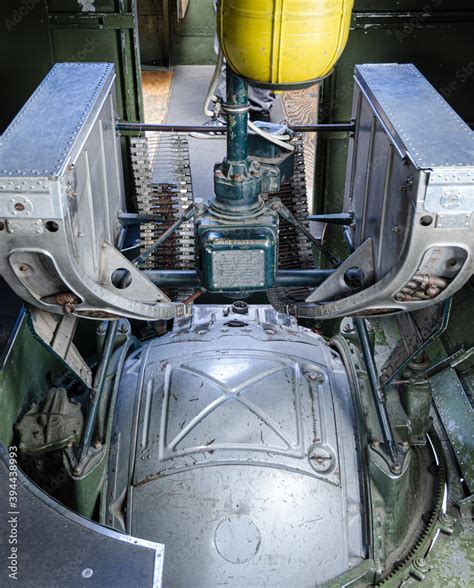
[(121, 278), (425, 221), (52, 226), (19, 206), (237, 538)]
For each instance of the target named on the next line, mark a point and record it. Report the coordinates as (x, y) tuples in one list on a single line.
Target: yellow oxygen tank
[(283, 43)]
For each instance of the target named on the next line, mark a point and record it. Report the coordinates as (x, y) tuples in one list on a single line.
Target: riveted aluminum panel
[(38, 142), (61, 189), (242, 456), (410, 188), (425, 126)]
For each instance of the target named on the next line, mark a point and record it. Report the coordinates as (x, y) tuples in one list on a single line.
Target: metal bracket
[(457, 415), (455, 361), (342, 218), (417, 330), (128, 281), (56, 333), (277, 205), (339, 284)]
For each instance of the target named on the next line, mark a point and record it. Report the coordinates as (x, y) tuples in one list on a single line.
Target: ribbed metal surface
[(235, 446)]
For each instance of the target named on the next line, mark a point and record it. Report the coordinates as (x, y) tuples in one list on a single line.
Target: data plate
[(238, 269), (238, 259)]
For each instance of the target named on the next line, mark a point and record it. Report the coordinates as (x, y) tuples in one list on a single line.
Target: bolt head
[(447, 519)]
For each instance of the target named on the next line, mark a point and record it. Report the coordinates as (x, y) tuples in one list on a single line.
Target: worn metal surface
[(337, 286), (53, 147), (388, 187), (60, 196), (406, 506), (417, 330), (457, 415), (56, 333), (236, 447), (23, 378), (63, 548), (52, 426), (236, 109), (440, 139)]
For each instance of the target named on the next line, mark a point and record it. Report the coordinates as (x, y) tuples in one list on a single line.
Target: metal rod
[(236, 109), (98, 387), (295, 278), (173, 278), (190, 278), (347, 234), (187, 215), (377, 390), (346, 127), (342, 218), (285, 213), (164, 128), (194, 296), (130, 218)]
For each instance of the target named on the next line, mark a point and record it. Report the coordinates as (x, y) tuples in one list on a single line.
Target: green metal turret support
[(238, 181), (237, 118)]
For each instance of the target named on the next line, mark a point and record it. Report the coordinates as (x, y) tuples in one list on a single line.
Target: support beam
[(190, 278)]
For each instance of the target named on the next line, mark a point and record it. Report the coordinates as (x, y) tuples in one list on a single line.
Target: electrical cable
[(211, 97)]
